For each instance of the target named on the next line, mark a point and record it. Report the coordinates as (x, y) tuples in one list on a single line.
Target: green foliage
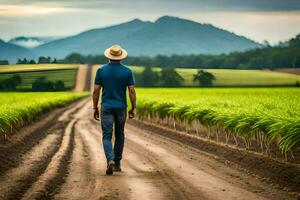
[(18, 109), (43, 85), (44, 60), (10, 83), (265, 115), (4, 62), (170, 78), (59, 85), (271, 57), (77, 58), (56, 73), (147, 78), (204, 78), (231, 77)]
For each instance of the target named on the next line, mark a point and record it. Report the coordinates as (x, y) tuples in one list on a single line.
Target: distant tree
[(19, 61), (170, 78), (148, 77), (4, 62), (32, 62), (22, 61), (54, 61), (59, 85), (11, 83), (44, 60), (41, 84), (266, 43), (76, 58), (204, 78), (295, 42)]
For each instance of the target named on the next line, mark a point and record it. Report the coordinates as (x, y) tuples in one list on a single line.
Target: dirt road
[(61, 157)]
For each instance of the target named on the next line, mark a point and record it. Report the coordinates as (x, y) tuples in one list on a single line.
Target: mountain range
[(12, 52), (167, 35)]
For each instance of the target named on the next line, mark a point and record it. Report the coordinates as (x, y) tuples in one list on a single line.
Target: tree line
[(283, 55), (169, 77)]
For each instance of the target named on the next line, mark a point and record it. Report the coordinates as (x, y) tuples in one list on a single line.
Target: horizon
[(273, 21)]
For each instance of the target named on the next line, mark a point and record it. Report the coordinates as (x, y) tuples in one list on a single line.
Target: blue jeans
[(110, 117)]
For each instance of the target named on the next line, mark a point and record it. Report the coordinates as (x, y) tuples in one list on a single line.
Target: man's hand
[(96, 94), (131, 113), (96, 114)]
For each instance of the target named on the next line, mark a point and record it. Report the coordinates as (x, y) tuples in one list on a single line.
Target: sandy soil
[(63, 159)]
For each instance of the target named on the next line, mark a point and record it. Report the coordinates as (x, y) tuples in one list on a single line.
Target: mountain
[(30, 42), (12, 52), (92, 41), (167, 35)]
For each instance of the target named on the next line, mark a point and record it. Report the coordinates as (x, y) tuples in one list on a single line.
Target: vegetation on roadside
[(56, 77), (18, 109), (264, 115)]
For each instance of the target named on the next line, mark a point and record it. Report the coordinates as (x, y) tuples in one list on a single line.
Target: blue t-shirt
[(114, 79)]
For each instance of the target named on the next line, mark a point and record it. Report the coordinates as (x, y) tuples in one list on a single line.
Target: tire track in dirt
[(43, 187), (20, 177), (193, 183), (130, 184), (35, 146), (69, 163), (168, 185), (80, 164), (213, 178)]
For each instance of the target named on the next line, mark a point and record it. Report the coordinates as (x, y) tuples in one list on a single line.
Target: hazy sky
[(274, 20)]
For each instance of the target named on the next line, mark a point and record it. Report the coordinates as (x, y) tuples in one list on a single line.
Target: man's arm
[(132, 96), (96, 94)]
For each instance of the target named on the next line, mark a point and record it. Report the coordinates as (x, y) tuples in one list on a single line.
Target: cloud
[(273, 20), (29, 10), (200, 5)]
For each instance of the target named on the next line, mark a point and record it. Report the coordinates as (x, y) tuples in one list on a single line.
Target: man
[(114, 78)]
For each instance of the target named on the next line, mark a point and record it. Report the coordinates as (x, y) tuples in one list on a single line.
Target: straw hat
[(115, 52)]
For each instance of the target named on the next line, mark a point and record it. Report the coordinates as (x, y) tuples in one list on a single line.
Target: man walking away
[(113, 78)]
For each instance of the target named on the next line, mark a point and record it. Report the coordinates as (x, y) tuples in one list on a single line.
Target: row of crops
[(18, 109), (265, 116)]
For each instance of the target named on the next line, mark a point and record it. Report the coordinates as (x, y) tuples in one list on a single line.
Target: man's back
[(114, 78)]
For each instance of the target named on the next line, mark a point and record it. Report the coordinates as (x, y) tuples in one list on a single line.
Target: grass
[(233, 77), (265, 115), (18, 109)]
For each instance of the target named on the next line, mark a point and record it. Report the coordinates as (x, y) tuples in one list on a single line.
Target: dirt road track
[(61, 157)]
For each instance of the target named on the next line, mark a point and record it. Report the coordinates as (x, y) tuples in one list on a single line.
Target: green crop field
[(233, 77), (18, 109), (35, 67), (68, 76), (29, 73), (263, 114)]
